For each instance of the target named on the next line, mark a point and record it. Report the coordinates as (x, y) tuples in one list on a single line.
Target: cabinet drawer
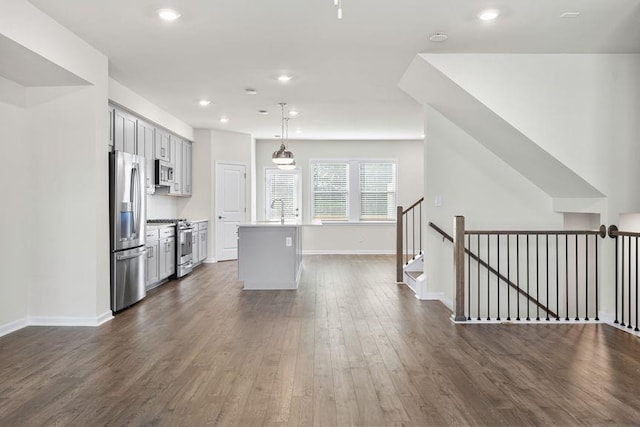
[(152, 234), (167, 232), (203, 225)]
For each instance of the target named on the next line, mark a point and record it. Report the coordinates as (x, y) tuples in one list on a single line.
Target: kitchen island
[(270, 254)]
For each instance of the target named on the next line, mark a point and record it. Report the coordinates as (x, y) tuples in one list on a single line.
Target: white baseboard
[(70, 321), (209, 261), (624, 328), (55, 321), (13, 326), (349, 252), (527, 322)]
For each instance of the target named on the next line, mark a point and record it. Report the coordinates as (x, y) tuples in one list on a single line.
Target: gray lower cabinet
[(153, 261), (202, 240), (195, 247), (167, 253)]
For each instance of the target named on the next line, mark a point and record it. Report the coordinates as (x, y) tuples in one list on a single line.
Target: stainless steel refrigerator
[(127, 204)]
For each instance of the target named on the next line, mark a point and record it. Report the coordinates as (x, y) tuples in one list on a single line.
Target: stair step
[(413, 274)]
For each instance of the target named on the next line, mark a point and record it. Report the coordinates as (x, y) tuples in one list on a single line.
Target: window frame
[(267, 193), (353, 189)]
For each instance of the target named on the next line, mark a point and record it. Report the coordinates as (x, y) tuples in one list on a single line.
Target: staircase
[(413, 270)]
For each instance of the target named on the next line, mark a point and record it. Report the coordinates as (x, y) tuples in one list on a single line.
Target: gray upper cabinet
[(146, 148), (132, 135), (176, 156), (187, 161), (124, 136), (163, 146)]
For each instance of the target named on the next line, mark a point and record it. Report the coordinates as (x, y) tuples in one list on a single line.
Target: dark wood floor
[(348, 348)]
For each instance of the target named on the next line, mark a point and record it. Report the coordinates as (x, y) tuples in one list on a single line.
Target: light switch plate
[(288, 241), (438, 201)]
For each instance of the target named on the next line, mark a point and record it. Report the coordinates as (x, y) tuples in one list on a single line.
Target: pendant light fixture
[(283, 156), (292, 165)]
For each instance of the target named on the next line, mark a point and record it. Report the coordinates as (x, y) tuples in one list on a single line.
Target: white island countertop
[(279, 224)]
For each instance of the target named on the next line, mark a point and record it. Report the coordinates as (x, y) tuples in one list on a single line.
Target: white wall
[(14, 248), (473, 182), (343, 238), (127, 98), (582, 109), (210, 146), (65, 197)]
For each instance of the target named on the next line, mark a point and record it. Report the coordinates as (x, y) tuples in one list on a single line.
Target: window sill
[(360, 223)]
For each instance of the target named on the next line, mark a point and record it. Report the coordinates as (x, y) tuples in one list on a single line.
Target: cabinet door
[(153, 263), (146, 148), (176, 155), (202, 250), (186, 168), (171, 256), (124, 138), (195, 236), (162, 150)]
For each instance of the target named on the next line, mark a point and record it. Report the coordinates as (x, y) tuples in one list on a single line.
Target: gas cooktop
[(166, 221)]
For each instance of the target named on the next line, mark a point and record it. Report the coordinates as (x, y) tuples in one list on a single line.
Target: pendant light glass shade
[(288, 167)]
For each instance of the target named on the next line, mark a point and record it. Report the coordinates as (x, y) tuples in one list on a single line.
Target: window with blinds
[(377, 191), (330, 198), (282, 190), (353, 190)]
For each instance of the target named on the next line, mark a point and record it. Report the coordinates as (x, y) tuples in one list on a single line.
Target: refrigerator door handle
[(135, 198), (136, 255)]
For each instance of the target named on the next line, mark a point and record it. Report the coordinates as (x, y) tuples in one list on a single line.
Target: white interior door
[(231, 209)]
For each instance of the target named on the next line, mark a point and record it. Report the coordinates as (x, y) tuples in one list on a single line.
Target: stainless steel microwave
[(164, 173)]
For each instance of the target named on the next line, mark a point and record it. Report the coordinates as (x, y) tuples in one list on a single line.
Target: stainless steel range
[(184, 248)]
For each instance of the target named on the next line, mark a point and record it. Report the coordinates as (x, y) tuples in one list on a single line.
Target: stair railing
[(408, 234), (548, 271), (626, 247)]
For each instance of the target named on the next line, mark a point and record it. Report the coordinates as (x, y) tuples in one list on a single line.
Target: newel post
[(458, 266), (399, 257)]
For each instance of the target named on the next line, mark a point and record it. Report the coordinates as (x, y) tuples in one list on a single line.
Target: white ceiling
[(345, 71)]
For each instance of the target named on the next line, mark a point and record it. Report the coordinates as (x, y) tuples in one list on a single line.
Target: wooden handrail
[(413, 205), (614, 232), (602, 232), (445, 235)]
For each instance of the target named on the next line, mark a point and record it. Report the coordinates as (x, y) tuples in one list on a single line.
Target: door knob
[(221, 217)]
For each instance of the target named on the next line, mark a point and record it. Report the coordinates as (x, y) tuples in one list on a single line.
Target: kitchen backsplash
[(161, 206)]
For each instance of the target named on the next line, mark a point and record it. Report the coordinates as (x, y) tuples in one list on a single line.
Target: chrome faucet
[(273, 203)]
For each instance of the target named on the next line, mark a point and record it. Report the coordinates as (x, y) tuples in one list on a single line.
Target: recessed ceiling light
[(204, 102), (264, 112), (284, 78), (294, 113), (276, 136), (438, 37), (224, 119), (488, 15), (570, 15), (298, 131), (250, 91), (168, 14)]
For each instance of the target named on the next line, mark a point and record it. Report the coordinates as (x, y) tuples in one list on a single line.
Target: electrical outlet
[(288, 241)]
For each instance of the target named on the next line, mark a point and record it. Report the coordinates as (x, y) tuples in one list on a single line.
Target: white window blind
[(377, 191), (330, 199), (285, 186)]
